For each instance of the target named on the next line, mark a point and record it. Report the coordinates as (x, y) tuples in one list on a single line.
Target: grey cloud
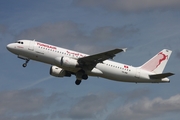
[(137, 94), (3, 29), (25, 117), (177, 54), (62, 33), (20, 101), (54, 97), (69, 35), (34, 117), (5, 33), (130, 5), (146, 108), (113, 33), (87, 107), (25, 103)]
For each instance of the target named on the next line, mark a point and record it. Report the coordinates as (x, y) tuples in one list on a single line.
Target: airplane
[(65, 62)]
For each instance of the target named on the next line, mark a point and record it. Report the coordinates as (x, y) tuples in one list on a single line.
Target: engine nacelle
[(66, 62), (58, 72)]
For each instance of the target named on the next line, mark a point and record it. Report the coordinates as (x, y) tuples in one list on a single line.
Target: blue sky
[(145, 27)]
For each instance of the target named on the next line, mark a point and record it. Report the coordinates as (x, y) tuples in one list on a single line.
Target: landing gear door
[(31, 46)]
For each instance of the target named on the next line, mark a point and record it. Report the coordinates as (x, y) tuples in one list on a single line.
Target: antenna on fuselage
[(34, 40)]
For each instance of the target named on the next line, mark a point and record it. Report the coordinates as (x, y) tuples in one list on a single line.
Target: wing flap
[(160, 76)]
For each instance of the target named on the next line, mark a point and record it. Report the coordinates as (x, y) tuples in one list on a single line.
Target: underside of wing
[(90, 61)]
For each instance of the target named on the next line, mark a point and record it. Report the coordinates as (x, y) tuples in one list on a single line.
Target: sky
[(144, 27)]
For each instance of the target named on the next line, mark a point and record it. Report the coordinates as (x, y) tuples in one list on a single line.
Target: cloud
[(21, 101), (69, 35), (5, 33), (3, 29), (177, 54), (146, 108), (25, 104), (129, 6), (87, 107), (62, 33), (28, 117), (113, 33), (37, 82), (136, 94)]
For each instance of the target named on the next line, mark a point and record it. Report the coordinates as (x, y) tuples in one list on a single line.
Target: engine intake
[(58, 72)]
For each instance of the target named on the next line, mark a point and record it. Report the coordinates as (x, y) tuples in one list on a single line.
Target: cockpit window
[(19, 42)]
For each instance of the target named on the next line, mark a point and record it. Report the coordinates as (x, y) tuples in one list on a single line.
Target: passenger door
[(31, 45)]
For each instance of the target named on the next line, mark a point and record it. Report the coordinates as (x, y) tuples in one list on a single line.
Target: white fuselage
[(108, 69)]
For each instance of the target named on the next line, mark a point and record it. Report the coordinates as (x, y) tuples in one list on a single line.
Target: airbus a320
[(65, 62)]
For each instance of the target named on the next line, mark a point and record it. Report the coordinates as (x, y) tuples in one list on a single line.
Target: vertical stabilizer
[(158, 62)]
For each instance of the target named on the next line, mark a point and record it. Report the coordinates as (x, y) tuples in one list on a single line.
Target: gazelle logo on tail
[(158, 62), (164, 57)]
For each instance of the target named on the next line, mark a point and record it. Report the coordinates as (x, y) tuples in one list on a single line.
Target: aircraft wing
[(89, 62)]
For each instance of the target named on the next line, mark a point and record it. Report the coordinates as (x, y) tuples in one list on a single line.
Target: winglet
[(124, 49)]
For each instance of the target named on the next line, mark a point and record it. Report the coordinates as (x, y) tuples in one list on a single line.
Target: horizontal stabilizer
[(160, 76)]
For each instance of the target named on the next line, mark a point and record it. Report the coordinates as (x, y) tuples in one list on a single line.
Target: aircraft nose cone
[(9, 47)]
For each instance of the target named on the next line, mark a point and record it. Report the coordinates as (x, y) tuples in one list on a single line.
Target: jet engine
[(66, 62), (58, 72)]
